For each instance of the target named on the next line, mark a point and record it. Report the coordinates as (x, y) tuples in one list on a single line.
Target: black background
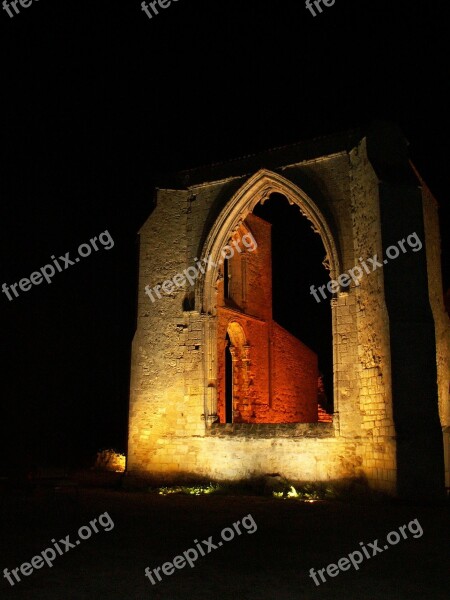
[(99, 101)]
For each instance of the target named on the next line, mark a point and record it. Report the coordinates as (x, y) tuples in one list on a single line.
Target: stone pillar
[(420, 468), (210, 358), (245, 365), (234, 359)]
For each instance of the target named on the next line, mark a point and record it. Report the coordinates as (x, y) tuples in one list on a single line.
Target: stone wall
[(441, 318), (232, 457), (372, 324), (175, 380)]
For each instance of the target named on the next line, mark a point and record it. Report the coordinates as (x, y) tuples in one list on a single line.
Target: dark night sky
[(99, 102)]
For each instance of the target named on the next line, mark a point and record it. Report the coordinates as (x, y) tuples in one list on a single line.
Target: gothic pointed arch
[(231, 221), (258, 188)]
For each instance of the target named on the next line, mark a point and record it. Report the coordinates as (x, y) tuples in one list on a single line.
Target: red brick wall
[(278, 384), (256, 300), (294, 378), (324, 417)]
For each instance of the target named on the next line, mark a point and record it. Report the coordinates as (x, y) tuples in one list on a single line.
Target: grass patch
[(188, 490), (276, 486)]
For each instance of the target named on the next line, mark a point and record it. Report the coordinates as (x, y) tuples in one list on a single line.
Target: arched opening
[(234, 385), (297, 264), (275, 390)]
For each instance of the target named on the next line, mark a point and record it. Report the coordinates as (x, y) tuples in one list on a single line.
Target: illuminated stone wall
[(175, 387), (441, 319)]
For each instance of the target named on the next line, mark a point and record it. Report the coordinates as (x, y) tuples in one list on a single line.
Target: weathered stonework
[(442, 322), (341, 184)]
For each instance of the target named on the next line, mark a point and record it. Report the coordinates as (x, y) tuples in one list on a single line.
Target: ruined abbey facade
[(221, 391)]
